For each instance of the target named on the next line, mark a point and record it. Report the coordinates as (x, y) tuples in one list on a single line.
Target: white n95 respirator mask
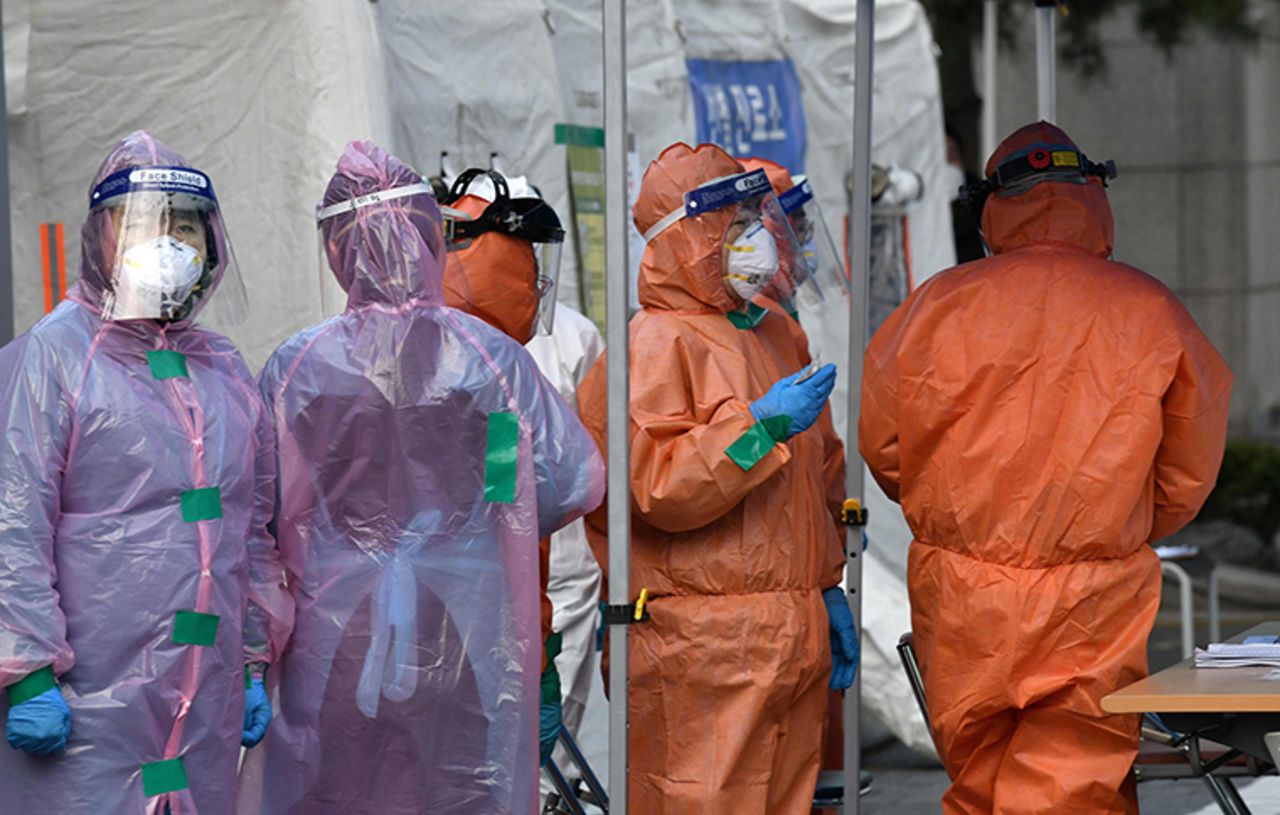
[(154, 279), (753, 260)]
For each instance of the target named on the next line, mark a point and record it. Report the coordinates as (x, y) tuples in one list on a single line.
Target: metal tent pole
[(1046, 61), (860, 263), (990, 43), (6, 238), (616, 240)]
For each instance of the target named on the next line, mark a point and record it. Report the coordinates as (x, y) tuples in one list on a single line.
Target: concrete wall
[(1197, 203)]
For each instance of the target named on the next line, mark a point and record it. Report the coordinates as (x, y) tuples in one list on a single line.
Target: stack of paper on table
[(1264, 651)]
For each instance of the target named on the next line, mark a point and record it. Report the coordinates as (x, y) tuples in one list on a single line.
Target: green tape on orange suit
[(195, 628), (160, 777), (746, 320), (778, 426), (500, 457), (31, 685), (752, 446), (167, 364), (203, 504)]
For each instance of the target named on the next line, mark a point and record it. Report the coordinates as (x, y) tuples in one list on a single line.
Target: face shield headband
[(185, 188), (718, 194), (1034, 165), (796, 197), (379, 197)]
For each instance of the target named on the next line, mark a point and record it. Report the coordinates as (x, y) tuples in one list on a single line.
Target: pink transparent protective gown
[(137, 474), (422, 457)]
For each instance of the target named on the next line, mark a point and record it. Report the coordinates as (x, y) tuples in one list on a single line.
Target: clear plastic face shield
[(820, 267), (170, 248), (524, 217), (758, 242)]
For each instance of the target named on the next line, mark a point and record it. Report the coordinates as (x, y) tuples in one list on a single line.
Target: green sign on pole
[(585, 149)]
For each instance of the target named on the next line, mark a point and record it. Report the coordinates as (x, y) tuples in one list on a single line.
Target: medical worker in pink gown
[(141, 595), (422, 457)]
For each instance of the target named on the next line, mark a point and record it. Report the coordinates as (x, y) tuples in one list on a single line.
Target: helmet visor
[(526, 218)]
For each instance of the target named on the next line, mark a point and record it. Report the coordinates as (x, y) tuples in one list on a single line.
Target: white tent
[(263, 97)]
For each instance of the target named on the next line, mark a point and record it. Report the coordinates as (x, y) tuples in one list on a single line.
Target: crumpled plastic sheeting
[(411, 683), (564, 357)]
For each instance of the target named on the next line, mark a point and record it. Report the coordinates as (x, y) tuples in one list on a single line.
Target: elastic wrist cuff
[(254, 670)]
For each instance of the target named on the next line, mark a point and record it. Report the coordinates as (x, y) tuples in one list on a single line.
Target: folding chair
[(570, 796)]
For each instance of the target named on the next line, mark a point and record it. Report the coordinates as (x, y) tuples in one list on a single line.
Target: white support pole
[(990, 44), (6, 252), (860, 262), (616, 239), (1046, 61)]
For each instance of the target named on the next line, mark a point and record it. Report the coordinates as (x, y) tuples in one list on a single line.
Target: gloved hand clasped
[(799, 402), (41, 724), (257, 713), (844, 639)]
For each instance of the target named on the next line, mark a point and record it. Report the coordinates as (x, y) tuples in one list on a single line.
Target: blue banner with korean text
[(750, 108)]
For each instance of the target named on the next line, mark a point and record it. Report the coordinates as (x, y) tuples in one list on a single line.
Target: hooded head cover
[(381, 230), (99, 246), (681, 266), (1057, 212), (494, 277)]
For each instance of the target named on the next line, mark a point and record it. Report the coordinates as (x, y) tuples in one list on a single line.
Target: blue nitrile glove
[(40, 725), (800, 402), (844, 639), (257, 713), (548, 729)]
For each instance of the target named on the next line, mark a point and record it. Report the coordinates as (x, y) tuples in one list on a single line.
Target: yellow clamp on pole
[(640, 603), (852, 513), (629, 613)]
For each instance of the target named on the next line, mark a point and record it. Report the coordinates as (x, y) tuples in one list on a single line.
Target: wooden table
[(1236, 707), (1232, 706), (1184, 688)]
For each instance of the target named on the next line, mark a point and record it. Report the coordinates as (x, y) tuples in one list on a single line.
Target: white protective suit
[(564, 357)]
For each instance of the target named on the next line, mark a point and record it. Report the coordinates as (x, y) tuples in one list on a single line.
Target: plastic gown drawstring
[(391, 663)]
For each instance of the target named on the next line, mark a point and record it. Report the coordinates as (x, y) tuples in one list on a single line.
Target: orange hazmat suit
[(728, 680), (781, 181), (1042, 415), (493, 279)]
